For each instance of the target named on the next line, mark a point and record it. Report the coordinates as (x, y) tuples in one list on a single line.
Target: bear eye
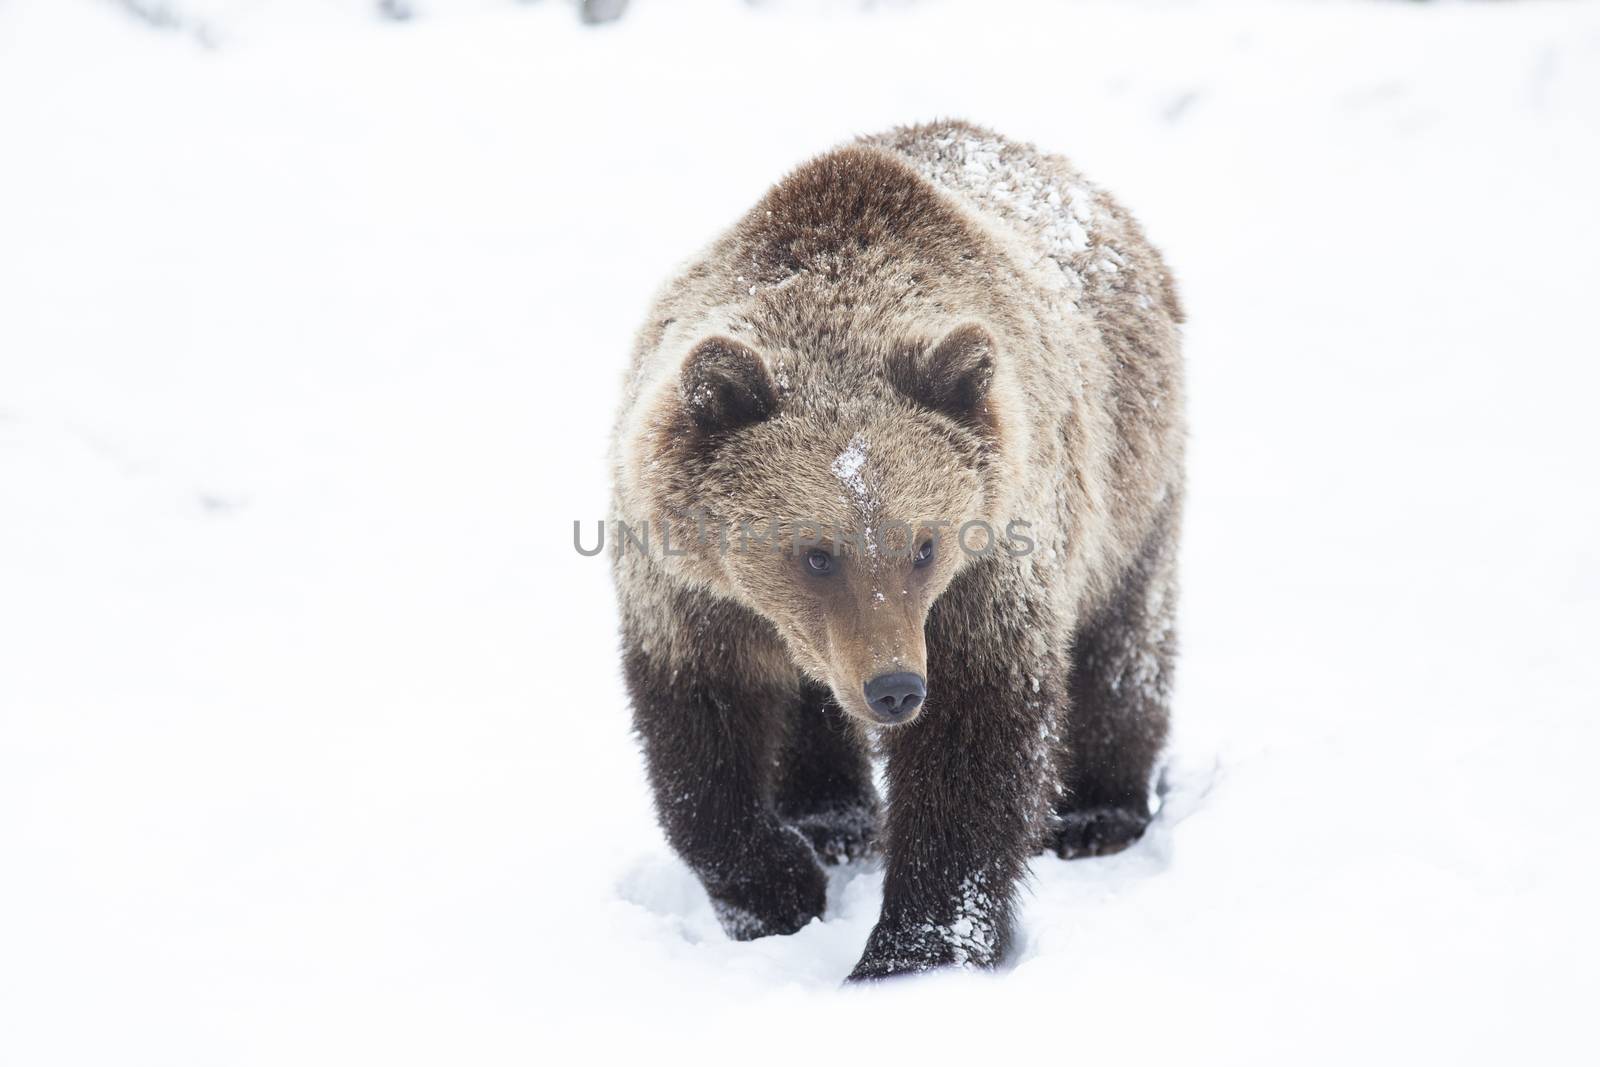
[(819, 561), (923, 555)]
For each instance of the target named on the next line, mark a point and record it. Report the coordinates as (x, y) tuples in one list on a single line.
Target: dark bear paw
[(1096, 831), (972, 942), (876, 966), (777, 891), (842, 835)]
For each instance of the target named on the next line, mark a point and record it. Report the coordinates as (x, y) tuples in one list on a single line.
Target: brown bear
[(898, 472)]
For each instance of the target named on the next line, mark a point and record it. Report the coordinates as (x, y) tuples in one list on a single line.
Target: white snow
[(1007, 184), (313, 747), (846, 467)]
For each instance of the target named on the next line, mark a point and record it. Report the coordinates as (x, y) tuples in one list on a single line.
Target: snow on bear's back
[(1080, 242)]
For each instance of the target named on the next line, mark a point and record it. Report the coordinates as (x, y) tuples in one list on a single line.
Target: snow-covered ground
[(312, 743)]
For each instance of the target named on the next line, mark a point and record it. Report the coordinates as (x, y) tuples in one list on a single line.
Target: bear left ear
[(725, 386), (953, 376)]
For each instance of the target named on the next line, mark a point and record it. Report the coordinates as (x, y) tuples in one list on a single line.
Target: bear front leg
[(710, 740), (825, 785), (970, 782)]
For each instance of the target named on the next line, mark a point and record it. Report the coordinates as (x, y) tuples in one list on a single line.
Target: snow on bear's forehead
[(848, 466), (847, 472), (890, 475)]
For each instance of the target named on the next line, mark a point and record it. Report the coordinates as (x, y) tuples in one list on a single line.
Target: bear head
[(832, 505)]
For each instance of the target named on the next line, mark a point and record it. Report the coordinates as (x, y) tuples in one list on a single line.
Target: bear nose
[(893, 697)]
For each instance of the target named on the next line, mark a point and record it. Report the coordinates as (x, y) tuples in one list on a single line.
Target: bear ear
[(725, 386), (953, 376)]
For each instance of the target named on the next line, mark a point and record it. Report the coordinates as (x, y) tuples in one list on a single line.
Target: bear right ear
[(725, 386)]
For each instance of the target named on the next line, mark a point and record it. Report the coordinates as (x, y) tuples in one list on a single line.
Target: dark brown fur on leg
[(1120, 688), (710, 741), (967, 789), (825, 785)]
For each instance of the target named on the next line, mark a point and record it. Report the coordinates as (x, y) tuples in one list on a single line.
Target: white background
[(312, 743)]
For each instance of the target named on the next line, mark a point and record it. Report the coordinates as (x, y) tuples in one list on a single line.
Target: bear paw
[(840, 836), (779, 891), (892, 953), (1097, 831)]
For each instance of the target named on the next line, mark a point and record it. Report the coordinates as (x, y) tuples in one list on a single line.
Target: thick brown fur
[(933, 324)]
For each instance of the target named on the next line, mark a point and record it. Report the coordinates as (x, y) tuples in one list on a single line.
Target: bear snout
[(895, 697)]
